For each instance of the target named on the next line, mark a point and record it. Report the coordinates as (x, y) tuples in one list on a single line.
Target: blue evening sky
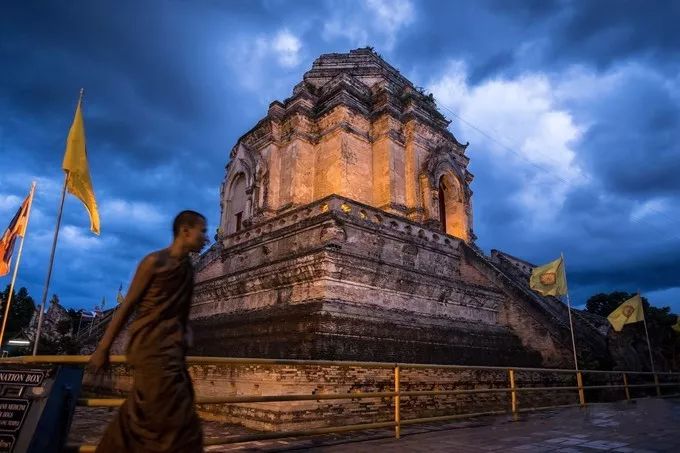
[(571, 108)]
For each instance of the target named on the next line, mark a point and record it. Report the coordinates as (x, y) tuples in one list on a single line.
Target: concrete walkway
[(645, 425)]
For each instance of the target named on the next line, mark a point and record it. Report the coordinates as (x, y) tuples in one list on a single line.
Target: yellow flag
[(676, 326), (627, 313), (75, 164), (550, 279)]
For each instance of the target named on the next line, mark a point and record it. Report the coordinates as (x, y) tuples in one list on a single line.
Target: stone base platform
[(337, 330), (339, 280)]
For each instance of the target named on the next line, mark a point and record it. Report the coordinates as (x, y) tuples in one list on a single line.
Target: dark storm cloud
[(87, 42), (491, 66), (529, 11), (607, 247), (488, 35), (499, 37), (453, 31), (604, 32), (633, 149), (491, 208)]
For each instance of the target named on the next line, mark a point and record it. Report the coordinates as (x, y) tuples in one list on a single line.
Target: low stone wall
[(286, 379)]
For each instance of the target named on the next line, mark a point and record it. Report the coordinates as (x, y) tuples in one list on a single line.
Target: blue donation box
[(36, 407)]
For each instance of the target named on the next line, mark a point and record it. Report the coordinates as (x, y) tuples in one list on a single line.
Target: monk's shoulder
[(153, 261)]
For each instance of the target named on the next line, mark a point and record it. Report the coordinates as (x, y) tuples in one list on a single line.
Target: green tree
[(75, 320), (54, 299), (64, 327), (603, 304), (21, 311)]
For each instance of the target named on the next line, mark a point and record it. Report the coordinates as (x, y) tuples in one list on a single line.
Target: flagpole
[(571, 327), (16, 266), (644, 321), (571, 324), (89, 332), (79, 323), (49, 267)]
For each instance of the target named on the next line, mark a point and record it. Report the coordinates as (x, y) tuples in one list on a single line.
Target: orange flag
[(17, 227)]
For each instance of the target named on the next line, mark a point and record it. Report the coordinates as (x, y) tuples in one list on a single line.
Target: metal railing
[(513, 390)]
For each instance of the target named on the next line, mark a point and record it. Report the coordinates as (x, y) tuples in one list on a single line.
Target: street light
[(19, 342)]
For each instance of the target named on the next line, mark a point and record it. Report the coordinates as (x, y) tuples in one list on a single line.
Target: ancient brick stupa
[(346, 234)]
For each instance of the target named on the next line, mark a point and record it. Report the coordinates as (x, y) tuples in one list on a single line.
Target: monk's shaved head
[(186, 218)]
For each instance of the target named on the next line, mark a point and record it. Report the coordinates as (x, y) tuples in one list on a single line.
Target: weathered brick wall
[(247, 380)]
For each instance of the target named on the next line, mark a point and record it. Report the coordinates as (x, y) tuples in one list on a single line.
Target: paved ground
[(646, 425)]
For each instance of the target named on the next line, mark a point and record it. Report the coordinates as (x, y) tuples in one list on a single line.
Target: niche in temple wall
[(236, 205), (237, 193), (445, 198), (452, 212)]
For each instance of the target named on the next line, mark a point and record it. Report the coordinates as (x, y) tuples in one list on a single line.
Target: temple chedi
[(346, 234)]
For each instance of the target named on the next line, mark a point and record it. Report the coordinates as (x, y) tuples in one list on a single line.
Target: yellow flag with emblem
[(550, 279), (676, 326), (75, 164), (627, 313)]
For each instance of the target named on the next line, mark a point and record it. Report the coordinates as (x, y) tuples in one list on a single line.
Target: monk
[(158, 414)]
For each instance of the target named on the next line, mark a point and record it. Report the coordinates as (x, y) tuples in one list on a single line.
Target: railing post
[(397, 416), (656, 382), (581, 393), (625, 386), (513, 391)]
